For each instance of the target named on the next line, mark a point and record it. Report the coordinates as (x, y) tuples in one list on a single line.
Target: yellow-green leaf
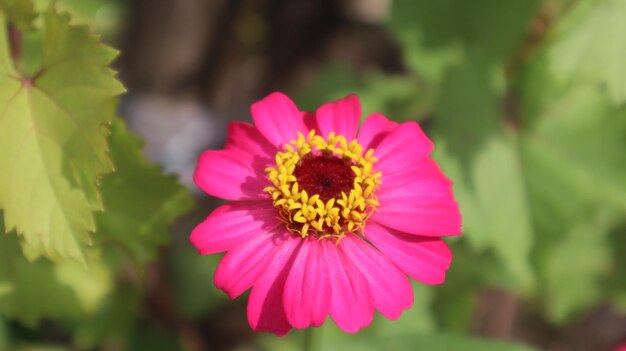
[(19, 12), (53, 128)]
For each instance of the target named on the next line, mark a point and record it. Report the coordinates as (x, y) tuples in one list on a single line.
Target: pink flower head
[(325, 221)]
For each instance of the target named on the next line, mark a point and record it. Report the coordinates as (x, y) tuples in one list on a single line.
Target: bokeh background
[(526, 103)]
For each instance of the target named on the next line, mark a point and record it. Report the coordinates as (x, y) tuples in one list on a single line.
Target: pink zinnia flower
[(326, 222)]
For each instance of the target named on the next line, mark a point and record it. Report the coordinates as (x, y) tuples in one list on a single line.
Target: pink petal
[(266, 310), (622, 347), (422, 207), (375, 128), (246, 138), (309, 120), (241, 267), (406, 144), (415, 197), (341, 116), (233, 224), (308, 290), (390, 287), (352, 305), (423, 259), (418, 169), (278, 119), (231, 175)]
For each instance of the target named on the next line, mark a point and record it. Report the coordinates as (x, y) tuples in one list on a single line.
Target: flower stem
[(309, 342)]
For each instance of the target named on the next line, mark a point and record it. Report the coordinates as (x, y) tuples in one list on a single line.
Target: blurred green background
[(524, 99)]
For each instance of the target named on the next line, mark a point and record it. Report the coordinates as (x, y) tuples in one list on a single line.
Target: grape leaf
[(19, 12), (53, 136), (140, 201)]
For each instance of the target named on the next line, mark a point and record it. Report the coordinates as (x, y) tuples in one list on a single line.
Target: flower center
[(324, 187), (325, 175)]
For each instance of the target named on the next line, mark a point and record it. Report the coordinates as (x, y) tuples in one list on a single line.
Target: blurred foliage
[(332, 338), (139, 226), (525, 103), (195, 293)]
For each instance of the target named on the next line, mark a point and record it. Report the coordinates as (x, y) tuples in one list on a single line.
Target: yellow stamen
[(307, 214)]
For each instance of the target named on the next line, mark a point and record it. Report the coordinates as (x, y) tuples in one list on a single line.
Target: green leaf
[(115, 318), (476, 151), (574, 270), (88, 303), (443, 342), (399, 97), (524, 182), (154, 340), (577, 145), (70, 290), (335, 80), (438, 35), (83, 12), (494, 202), (588, 46), (615, 282), (467, 113), (104, 17), (418, 319), (53, 137), (471, 271), (397, 342), (19, 12), (42, 348), (196, 293), (4, 335), (572, 143), (575, 166), (140, 201)]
